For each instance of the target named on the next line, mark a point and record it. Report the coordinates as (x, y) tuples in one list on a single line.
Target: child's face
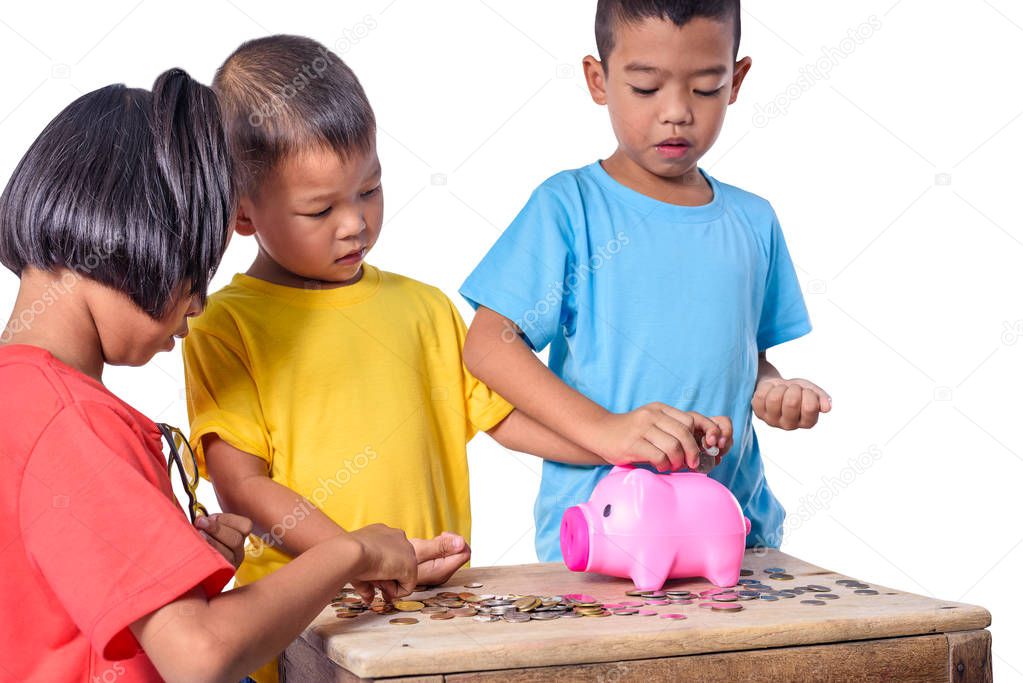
[(128, 336), (317, 216), (666, 89)]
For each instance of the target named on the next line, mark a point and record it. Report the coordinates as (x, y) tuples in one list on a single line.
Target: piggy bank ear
[(643, 478)]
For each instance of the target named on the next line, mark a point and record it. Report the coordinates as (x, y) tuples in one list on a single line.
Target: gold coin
[(404, 621), (527, 603), (442, 615), (408, 605), (469, 597)]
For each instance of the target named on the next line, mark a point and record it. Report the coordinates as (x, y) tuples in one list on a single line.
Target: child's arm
[(656, 433), (519, 432), (233, 633), (293, 524), (787, 403)]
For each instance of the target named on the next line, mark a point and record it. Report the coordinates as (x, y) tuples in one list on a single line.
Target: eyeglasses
[(183, 459)]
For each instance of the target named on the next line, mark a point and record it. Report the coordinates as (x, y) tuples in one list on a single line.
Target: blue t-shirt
[(645, 301)]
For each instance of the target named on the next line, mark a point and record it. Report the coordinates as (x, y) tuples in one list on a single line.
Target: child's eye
[(321, 214), (709, 93), (370, 193), (643, 91)]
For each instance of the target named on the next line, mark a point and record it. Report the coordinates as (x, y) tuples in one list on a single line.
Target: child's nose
[(350, 226), (677, 111)]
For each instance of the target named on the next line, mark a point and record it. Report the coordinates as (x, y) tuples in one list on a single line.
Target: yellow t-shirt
[(356, 397)]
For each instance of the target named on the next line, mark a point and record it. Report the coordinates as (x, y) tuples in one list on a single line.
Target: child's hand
[(389, 560), (663, 436), (226, 533), (790, 403), (440, 557)]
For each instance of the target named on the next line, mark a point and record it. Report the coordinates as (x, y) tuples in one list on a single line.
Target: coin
[(625, 612), (633, 593), (631, 603), (485, 618), (778, 576), (825, 596), (464, 611), (441, 616), (526, 603), (865, 591), (813, 602), (473, 585), (769, 597), (656, 602), (727, 607), (774, 570), (408, 605), (673, 615), (749, 582), (516, 617), (571, 615), (543, 616), (404, 621), (433, 609), (646, 613), (816, 588), (580, 597), (745, 572)]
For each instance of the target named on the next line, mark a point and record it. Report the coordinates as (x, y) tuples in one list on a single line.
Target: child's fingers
[(243, 525), (773, 404), (791, 406), (708, 428), (365, 591), (810, 409), (645, 451), (666, 437), (223, 549), (686, 450), (724, 423)]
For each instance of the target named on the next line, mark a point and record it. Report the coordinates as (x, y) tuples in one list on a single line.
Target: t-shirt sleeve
[(484, 407), (784, 316), (109, 542), (523, 276), (222, 397)]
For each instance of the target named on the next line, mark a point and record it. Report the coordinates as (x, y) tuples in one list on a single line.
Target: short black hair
[(128, 187), (283, 94), (679, 12)]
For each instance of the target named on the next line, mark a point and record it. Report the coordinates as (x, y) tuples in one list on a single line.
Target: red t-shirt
[(92, 538)]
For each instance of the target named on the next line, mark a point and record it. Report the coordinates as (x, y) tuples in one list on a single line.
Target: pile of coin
[(515, 608)]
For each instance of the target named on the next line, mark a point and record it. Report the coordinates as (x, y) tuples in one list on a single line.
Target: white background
[(896, 180)]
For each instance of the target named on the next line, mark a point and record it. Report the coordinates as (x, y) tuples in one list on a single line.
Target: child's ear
[(738, 76), (242, 222), (595, 79)]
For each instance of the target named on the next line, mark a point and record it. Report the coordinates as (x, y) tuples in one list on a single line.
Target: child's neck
[(688, 189), (50, 314)]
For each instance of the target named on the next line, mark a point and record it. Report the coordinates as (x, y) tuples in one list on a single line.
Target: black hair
[(282, 94), (610, 13), (129, 188)]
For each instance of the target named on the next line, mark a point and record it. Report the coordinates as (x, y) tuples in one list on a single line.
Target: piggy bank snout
[(575, 539)]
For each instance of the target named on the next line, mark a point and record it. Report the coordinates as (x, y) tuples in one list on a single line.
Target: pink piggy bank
[(650, 527)]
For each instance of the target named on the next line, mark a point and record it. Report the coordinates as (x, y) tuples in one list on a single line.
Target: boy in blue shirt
[(657, 287)]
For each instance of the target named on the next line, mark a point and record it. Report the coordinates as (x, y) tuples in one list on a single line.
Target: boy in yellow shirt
[(323, 393)]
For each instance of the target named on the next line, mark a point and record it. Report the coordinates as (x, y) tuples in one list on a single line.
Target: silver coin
[(516, 617), (485, 618), (748, 582), (865, 591), (768, 597), (817, 588), (813, 602), (825, 596), (543, 616), (774, 570)]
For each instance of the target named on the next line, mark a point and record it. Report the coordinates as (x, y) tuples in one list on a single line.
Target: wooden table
[(893, 636)]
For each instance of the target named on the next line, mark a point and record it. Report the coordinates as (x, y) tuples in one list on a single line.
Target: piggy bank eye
[(607, 510)]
